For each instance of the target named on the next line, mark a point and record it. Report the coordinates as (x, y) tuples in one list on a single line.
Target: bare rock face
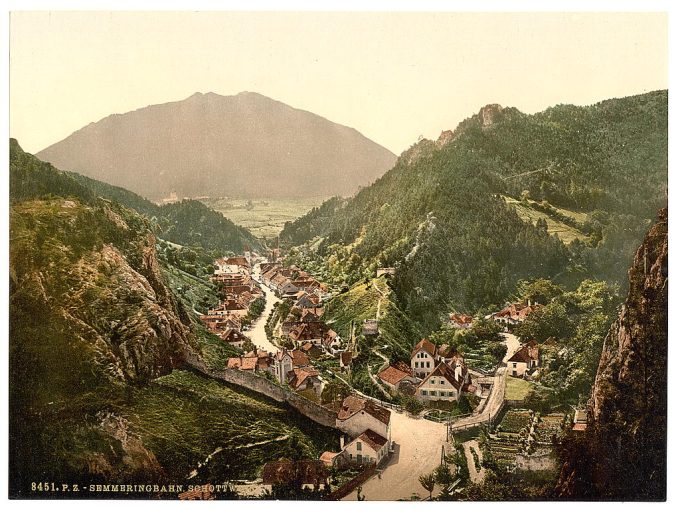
[(488, 114), (623, 454)]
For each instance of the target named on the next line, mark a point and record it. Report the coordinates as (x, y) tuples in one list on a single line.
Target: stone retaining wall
[(262, 385)]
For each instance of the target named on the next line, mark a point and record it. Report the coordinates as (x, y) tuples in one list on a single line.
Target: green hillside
[(186, 223), (439, 216), (371, 300)]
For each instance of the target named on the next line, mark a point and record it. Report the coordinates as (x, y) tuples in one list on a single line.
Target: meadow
[(263, 217)]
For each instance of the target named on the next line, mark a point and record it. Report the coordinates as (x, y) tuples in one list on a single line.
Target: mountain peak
[(213, 145), (489, 114)]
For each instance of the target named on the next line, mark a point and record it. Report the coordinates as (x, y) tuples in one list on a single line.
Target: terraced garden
[(548, 426)]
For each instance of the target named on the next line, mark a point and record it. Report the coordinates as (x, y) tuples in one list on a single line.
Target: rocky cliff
[(622, 455), (91, 318)]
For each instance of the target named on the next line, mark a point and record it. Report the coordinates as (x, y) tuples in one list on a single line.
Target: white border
[(335, 5)]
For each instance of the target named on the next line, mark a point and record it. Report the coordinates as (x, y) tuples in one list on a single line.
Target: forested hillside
[(441, 216), (98, 331), (186, 223)]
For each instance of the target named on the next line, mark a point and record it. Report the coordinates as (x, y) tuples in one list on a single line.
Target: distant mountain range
[(213, 145)]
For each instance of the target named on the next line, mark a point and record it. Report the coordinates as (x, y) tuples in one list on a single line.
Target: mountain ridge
[(208, 144), (607, 164)]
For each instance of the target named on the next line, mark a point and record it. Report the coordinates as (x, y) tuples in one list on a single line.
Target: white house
[(524, 361), (423, 358), (443, 384), (357, 415), (369, 447), (285, 361)]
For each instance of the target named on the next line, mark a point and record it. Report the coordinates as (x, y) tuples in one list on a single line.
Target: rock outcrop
[(622, 454)]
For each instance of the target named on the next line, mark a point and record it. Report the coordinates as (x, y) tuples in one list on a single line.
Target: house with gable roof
[(445, 383), (524, 361), (358, 415), (423, 358), (369, 447)]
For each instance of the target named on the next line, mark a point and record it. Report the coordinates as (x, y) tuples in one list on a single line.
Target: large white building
[(445, 383)]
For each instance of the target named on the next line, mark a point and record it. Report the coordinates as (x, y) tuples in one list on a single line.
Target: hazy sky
[(392, 76)]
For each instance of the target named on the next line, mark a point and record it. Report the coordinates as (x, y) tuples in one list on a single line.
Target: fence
[(352, 484)]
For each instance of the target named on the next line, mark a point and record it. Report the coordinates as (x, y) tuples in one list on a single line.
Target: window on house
[(432, 381), (433, 392), (358, 446), (441, 382), (423, 392), (428, 364), (359, 458), (514, 364), (450, 394)]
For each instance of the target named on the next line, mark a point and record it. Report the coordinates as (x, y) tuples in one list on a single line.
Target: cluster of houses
[(435, 374), (290, 281), (303, 326), (237, 292), (289, 367), (366, 440), (514, 314)]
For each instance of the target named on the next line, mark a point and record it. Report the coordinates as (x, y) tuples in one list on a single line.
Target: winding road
[(256, 332), (418, 443)]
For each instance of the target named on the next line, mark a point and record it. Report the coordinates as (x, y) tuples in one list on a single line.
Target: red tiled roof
[(300, 375), (526, 353), (234, 363), (299, 358), (249, 363), (444, 371), (327, 458), (424, 345), (392, 375), (460, 319), (373, 439), (354, 404)]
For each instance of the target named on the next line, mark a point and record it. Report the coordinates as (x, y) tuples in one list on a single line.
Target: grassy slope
[(565, 232), (184, 418), (517, 389), (361, 302)]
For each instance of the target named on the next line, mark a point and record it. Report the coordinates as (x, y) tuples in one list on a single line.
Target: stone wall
[(261, 385)]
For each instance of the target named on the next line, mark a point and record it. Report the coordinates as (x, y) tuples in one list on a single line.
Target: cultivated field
[(565, 232), (263, 217)]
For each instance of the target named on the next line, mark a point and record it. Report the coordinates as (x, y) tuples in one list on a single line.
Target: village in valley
[(435, 422)]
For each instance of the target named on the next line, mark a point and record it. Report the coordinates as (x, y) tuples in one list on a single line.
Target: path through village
[(418, 444), (257, 333)]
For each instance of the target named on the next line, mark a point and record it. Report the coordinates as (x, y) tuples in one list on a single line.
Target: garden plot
[(548, 426)]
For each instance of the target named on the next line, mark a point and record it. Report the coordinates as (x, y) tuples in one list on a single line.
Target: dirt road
[(418, 446), (256, 332)]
